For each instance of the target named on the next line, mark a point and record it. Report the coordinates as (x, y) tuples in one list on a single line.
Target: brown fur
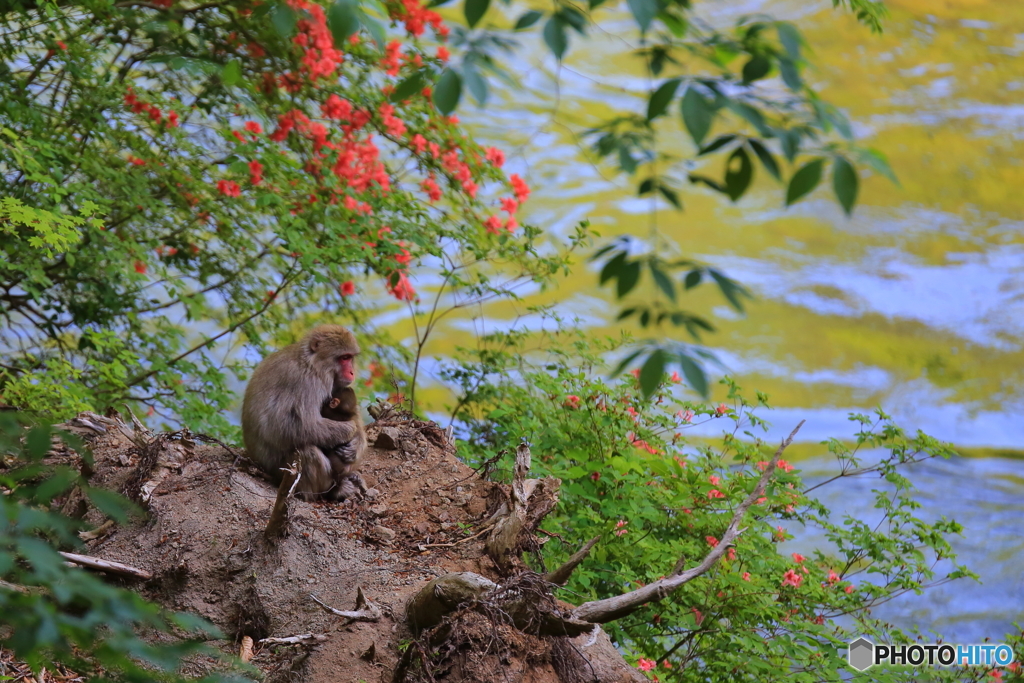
[(282, 420)]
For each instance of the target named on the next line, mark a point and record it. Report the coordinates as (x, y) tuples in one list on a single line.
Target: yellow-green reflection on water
[(916, 303)]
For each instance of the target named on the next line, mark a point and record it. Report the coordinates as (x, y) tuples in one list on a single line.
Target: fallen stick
[(364, 611), (305, 638), (106, 566)]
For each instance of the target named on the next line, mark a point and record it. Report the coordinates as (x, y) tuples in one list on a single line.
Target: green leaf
[(625, 361), (878, 162), (756, 69), (804, 181), (671, 195), (694, 374), (731, 289), (646, 187), (574, 18), (790, 140), (528, 19), (752, 115), (37, 442), (232, 73), (475, 82), (628, 277), (343, 20), (612, 268), (698, 115), (626, 160), (790, 38), (408, 87), (767, 160), (448, 91), (644, 12), (475, 10), (284, 19), (554, 36), (790, 75), (713, 184), (652, 372), (661, 98), (716, 144), (663, 281), (844, 182), (109, 503), (693, 278), (738, 173)]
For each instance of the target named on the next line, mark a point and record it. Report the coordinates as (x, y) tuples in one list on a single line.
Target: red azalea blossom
[(730, 553), (509, 205), (511, 224), (791, 578), (849, 589), (572, 401), (347, 288), (429, 185), (799, 558), (715, 493), (256, 172), (493, 225), (746, 576), (140, 267), (392, 58), (253, 127), (520, 187), (721, 410), (402, 289), (419, 143), (646, 664), (172, 119), (495, 156), (785, 466), (336, 108), (712, 541), (443, 54), (229, 188)]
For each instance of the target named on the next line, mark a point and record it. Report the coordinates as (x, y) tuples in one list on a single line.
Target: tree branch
[(610, 609)]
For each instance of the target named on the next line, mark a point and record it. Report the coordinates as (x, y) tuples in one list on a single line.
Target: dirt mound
[(203, 544)]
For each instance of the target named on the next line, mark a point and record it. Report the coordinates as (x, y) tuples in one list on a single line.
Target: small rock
[(378, 509), (372, 494), (387, 439), (383, 533), (422, 528)]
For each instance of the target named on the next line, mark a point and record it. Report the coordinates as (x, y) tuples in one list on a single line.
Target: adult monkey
[(281, 414)]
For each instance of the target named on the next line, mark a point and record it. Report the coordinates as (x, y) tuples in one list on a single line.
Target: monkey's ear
[(314, 344)]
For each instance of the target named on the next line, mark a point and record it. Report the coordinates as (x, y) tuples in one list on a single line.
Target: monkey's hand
[(349, 486)]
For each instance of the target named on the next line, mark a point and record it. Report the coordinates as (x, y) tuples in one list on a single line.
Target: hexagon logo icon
[(861, 654)]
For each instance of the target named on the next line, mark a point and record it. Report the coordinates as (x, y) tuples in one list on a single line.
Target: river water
[(915, 304)]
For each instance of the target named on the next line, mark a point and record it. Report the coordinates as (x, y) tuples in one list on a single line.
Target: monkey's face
[(346, 369)]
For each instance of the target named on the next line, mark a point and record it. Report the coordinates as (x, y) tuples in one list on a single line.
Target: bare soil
[(203, 542)]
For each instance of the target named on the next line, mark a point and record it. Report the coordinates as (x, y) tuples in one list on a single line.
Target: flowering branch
[(610, 609)]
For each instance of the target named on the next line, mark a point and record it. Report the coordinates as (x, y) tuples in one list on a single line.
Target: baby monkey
[(342, 406)]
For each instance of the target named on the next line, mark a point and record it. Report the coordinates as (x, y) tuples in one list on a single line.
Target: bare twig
[(561, 575), (478, 534), (364, 611), (609, 609), (279, 516), (304, 639), (106, 565)]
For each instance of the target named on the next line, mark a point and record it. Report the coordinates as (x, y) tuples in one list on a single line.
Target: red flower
[(646, 664), (336, 108), (253, 127), (443, 54), (511, 224), (712, 541), (392, 58), (62, 45), (785, 466), (401, 288), (495, 156), (256, 171), (140, 267), (493, 224), (419, 143), (520, 187), (509, 205), (229, 188), (172, 119), (799, 558), (791, 578), (721, 410), (347, 288), (429, 185)]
